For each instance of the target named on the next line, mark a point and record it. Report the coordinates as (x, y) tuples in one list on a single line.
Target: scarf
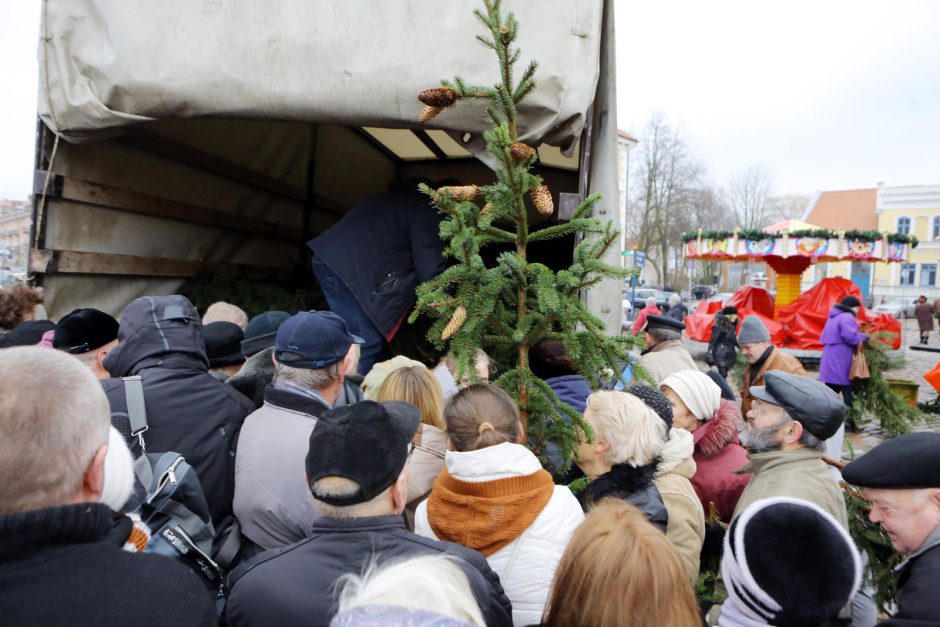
[(488, 515), (757, 365), (621, 481)]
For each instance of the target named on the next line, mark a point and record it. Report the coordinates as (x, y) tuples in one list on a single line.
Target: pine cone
[(521, 152), (429, 113), (456, 321), (441, 97), (542, 197), (460, 192)]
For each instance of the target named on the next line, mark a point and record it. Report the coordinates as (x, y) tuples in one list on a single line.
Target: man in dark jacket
[(357, 472), (188, 410), (901, 478), (61, 557), (370, 262)]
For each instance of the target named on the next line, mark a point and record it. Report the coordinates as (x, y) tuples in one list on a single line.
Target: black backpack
[(174, 506)]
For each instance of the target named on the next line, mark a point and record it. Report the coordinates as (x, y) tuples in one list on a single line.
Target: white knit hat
[(696, 389), (118, 472)]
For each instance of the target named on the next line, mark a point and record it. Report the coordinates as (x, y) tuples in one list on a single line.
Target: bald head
[(54, 420)]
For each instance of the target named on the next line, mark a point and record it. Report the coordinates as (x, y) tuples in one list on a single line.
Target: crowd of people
[(402, 494)]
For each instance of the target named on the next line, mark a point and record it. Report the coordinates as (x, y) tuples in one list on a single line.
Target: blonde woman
[(416, 385), (618, 569)]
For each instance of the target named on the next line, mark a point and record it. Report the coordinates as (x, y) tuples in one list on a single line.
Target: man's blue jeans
[(344, 304)]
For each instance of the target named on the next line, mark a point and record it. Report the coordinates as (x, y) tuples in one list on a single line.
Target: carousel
[(794, 319)]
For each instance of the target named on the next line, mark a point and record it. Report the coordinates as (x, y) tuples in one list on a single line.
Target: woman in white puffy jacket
[(494, 496)]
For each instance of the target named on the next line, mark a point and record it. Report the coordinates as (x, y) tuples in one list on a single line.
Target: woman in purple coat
[(839, 338)]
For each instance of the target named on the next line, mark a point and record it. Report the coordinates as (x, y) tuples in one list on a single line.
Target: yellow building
[(910, 209)]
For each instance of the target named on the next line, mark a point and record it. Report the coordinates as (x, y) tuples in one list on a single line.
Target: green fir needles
[(507, 307)]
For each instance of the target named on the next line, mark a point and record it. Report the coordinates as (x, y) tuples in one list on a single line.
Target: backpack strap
[(136, 409)]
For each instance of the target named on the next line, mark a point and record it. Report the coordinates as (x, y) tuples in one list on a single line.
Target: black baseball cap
[(313, 339), (366, 442), (261, 331), (808, 401), (84, 330)]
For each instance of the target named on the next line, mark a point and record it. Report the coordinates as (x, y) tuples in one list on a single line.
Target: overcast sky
[(833, 94)]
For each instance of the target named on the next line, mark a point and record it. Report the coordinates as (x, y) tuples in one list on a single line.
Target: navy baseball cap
[(313, 339)]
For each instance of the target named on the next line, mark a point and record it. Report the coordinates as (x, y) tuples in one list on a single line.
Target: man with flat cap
[(89, 335), (901, 478), (785, 432), (357, 472), (664, 353)]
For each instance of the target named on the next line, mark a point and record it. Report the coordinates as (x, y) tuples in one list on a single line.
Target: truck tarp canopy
[(106, 64)]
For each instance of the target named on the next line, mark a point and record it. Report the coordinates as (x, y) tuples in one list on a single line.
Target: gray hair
[(54, 416), (650, 300), (674, 299), (436, 582), (307, 378), (340, 486), (811, 441), (660, 334)]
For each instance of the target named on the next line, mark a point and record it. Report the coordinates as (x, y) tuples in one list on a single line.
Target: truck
[(182, 138)]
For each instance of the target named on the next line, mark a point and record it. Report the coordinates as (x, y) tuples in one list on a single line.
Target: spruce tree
[(516, 303)]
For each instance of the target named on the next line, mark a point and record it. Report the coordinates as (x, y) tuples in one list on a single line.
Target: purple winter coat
[(839, 339)]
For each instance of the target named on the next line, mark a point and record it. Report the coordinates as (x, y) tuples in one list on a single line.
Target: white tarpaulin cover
[(107, 64)]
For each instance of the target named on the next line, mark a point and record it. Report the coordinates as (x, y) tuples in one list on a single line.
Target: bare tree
[(748, 194), (786, 207), (667, 176)]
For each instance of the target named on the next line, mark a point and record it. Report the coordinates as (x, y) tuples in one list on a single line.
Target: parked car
[(642, 293), (898, 307), (702, 292)]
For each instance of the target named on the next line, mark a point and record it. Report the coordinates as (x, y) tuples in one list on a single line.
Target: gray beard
[(761, 440)]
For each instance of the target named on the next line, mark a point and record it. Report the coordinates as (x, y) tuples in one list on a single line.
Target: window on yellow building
[(928, 274), (935, 231), (907, 273), (904, 226)]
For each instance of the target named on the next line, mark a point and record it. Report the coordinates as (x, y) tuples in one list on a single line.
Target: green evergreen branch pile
[(757, 235), (516, 303), (873, 397)]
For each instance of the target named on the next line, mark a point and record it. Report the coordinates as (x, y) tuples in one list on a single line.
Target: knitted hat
[(752, 331), (697, 390), (380, 371), (118, 472), (851, 302), (787, 562), (655, 400)]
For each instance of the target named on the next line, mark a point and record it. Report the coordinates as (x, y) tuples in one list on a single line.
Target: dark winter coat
[(633, 485), (65, 566), (717, 455), (188, 410), (382, 249), (291, 586), (723, 345), (839, 338), (678, 312), (918, 583), (254, 377), (924, 314)]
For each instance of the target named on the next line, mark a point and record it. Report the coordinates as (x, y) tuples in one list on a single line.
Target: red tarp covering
[(805, 317), (800, 323)]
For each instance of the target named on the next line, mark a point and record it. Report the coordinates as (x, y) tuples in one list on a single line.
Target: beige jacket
[(799, 474), (665, 358), (425, 465), (686, 527)]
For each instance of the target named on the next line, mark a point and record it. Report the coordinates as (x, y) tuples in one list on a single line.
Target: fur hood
[(678, 448), (721, 430)]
